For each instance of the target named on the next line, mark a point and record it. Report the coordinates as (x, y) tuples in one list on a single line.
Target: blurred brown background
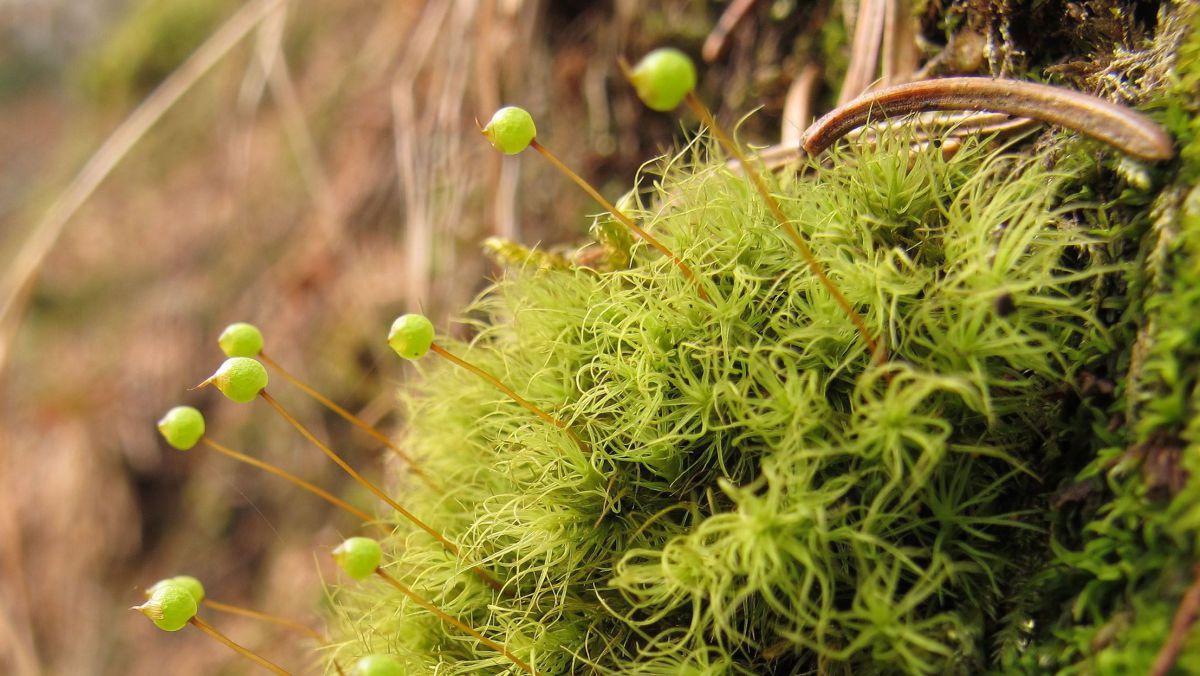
[(322, 177)]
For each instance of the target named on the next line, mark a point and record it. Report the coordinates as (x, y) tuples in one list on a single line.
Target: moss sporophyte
[(241, 379), (360, 558), (511, 130), (183, 428), (172, 605), (839, 460), (242, 339)]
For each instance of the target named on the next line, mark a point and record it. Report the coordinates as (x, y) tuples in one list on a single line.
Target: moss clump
[(758, 496)]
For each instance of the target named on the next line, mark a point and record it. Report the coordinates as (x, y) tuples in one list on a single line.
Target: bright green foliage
[(411, 336), (240, 379), (170, 606), (510, 130), (758, 497), (191, 584), (379, 665), (663, 78), (241, 340), (182, 427), (358, 557)]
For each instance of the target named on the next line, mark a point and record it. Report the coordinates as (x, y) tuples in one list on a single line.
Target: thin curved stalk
[(349, 417), (264, 617), (244, 652), (509, 392), (377, 491), (451, 620), (289, 477), (620, 216), (876, 349)]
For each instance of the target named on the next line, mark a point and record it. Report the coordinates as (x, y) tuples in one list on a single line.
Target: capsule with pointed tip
[(663, 78), (240, 379), (170, 606), (358, 557), (194, 586), (241, 340), (182, 427), (411, 335), (510, 130)]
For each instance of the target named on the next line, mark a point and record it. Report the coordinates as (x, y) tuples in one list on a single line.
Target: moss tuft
[(758, 496)]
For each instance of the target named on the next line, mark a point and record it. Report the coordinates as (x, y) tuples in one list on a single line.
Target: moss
[(759, 496), (1126, 535)]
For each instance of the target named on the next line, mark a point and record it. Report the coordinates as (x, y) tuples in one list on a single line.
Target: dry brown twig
[(1118, 126)]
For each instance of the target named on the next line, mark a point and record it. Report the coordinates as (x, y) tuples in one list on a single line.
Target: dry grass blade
[(864, 52), (718, 39), (23, 269), (900, 52), (283, 90), (797, 107)]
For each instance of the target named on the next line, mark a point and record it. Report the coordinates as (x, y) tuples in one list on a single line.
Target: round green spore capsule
[(358, 556), (378, 665), (241, 340), (240, 379), (182, 427), (170, 606), (663, 78), (510, 130), (411, 336), (194, 586)]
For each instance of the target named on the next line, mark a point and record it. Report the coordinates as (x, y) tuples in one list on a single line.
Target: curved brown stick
[(1119, 126), (942, 124)]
